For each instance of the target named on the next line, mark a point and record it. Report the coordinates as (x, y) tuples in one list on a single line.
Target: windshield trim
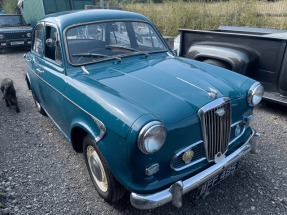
[(166, 49)]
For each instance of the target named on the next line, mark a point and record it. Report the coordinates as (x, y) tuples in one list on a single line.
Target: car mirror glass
[(50, 42)]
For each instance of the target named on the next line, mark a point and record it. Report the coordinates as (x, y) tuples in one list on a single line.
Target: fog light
[(237, 130), (3, 44)]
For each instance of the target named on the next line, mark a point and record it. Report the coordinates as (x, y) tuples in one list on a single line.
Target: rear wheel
[(217, 63), (105, 183)]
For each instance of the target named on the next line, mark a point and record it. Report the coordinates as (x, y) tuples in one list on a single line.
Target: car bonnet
[(170, 88)]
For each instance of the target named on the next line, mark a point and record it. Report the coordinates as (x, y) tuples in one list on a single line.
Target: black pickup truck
[(255, 52), (14, 32)]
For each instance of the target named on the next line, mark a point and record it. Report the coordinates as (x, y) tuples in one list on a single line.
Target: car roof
[(67, 18)]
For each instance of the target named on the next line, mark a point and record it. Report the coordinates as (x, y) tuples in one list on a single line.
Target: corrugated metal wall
[(53, 6), (32, 11)]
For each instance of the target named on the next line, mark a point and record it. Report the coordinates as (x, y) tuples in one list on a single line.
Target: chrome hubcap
[(97, 169)]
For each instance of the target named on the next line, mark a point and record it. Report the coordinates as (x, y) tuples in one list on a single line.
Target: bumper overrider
[(175, 192)]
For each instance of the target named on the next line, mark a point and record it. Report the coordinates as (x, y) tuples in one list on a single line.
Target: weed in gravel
[(3, 197)]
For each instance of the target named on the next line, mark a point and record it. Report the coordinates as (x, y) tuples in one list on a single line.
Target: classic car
[(14, 32), (148, 122)]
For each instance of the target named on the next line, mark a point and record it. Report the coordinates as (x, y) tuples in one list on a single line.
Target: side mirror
[(50, 42)]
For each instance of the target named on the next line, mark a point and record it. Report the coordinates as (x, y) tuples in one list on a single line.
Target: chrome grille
[(215, 126)]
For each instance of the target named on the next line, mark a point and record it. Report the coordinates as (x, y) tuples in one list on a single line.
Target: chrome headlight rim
[(144, 135), (255, 90), (2, 36), (29, 34)]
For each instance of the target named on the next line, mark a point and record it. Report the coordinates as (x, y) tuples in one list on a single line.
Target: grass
[(2, 199), (172, 15)]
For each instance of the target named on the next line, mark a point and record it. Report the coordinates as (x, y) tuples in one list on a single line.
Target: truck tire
[(217, 63)]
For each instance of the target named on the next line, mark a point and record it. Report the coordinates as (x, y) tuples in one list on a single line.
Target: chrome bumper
[(175, 192)]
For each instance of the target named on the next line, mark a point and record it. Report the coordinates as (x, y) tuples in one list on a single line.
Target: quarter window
[(38, 39)]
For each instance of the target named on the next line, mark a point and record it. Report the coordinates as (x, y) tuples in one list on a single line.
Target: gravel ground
[(41, 174)]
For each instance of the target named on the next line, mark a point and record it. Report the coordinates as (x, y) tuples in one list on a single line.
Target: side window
[(53, 49), (38, 39)]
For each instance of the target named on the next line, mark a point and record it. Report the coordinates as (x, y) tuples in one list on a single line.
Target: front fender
[(240, 60)]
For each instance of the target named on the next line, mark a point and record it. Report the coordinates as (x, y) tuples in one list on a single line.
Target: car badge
[(220, 112), (187, 156), (212, 93)]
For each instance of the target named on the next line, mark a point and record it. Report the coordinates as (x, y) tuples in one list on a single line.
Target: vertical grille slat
[(215, 124)]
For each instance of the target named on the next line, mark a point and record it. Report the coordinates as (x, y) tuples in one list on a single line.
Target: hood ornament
[(212, 93)]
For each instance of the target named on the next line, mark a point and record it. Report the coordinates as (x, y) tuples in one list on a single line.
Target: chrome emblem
[(220, 112), (212, 93), (187, 156)]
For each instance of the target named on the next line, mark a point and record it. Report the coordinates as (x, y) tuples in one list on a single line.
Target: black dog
[(9, 93)]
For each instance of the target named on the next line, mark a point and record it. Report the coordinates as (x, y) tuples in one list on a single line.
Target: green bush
[(10, 6), (199, 14)]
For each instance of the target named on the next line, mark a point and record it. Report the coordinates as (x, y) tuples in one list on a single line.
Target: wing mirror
[(50, 42)]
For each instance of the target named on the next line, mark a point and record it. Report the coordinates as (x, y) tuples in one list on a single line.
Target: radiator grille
[(215, 125), (17, 35)]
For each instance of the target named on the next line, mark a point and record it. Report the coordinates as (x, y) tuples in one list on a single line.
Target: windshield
[(11, 21), (111, 40)]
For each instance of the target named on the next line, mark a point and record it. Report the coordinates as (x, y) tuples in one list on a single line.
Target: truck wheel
[(105, 183), (38, 106), (217, 63)]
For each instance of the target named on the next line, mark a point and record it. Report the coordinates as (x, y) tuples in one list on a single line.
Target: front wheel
[(105, 183)]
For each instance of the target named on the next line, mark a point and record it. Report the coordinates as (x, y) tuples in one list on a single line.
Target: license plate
[(17, 43), (216, 180)]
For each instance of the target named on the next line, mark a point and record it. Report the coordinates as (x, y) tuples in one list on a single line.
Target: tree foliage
[(10, 6)]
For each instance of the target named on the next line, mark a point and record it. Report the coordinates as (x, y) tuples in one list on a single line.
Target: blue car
[(148, 122)]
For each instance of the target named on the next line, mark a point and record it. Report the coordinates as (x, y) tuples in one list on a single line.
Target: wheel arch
[(80, 129), (240, 59)]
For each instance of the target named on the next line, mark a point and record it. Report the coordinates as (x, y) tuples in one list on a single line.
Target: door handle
[(40, 71)]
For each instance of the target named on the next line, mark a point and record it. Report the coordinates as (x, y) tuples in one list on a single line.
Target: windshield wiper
[(90, 54), (126, 48)]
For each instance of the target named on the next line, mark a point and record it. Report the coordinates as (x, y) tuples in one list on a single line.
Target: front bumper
[(175, 192)]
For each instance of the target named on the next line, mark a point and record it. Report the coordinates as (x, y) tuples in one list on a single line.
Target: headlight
[(28, 34), (152, 137), (1, 36), (255, 94)]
